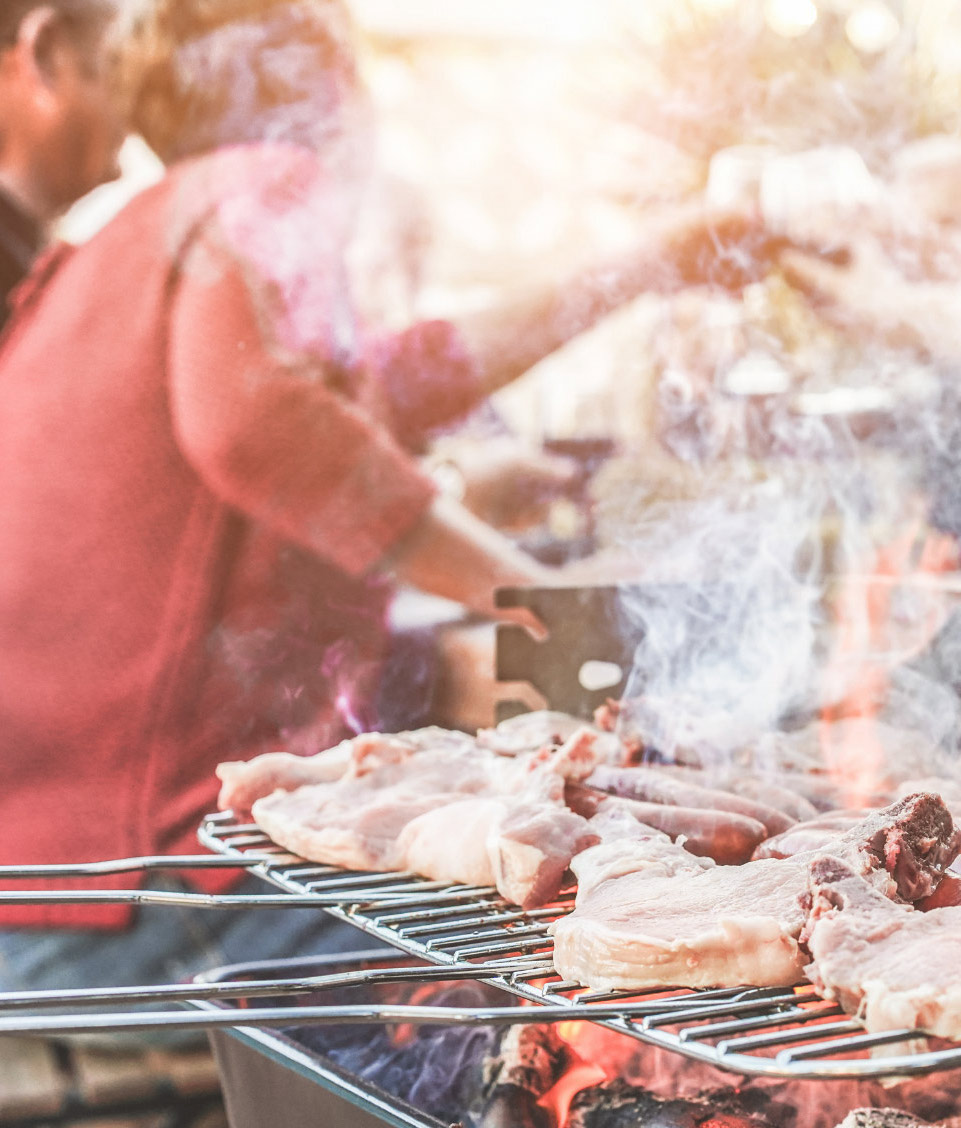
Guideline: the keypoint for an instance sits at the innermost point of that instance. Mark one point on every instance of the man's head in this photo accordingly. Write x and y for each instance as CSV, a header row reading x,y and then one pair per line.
x,y
197,74
59,127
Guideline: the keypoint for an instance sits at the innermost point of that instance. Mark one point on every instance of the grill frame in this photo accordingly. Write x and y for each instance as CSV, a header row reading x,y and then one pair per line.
x,y
432,922
266,1072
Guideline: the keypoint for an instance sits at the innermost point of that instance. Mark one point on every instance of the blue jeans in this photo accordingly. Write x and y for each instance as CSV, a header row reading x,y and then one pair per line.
x,y
168,944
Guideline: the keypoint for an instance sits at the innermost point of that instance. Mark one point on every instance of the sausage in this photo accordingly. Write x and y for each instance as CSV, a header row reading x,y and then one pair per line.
x,y
652,786
781,798
808,792
725,836
791,802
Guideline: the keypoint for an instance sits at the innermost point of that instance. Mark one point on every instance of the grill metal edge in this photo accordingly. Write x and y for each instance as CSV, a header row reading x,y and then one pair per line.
x,y
768,1032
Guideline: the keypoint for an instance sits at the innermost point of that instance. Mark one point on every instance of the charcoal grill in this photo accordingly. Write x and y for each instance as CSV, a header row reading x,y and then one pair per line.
x,y
775,1032
264,1072
471,933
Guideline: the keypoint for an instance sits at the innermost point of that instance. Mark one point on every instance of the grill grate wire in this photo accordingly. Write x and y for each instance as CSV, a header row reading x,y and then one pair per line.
x,y
775,1032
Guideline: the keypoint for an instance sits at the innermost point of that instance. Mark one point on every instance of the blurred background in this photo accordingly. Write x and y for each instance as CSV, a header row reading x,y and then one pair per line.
x,y
519,138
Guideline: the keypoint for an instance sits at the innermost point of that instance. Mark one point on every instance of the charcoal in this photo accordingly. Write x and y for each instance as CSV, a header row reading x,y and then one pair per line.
x,y
620,1105
529,1058
529,1061
880,1118
513,1107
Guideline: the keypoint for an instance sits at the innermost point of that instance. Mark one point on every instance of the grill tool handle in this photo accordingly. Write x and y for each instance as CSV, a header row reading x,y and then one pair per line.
x,y
259,988
198,991
116,1022
383,897
133,865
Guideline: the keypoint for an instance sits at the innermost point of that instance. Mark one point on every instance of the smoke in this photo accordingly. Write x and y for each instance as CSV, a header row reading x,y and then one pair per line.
x,y
772,603
728,647
286,79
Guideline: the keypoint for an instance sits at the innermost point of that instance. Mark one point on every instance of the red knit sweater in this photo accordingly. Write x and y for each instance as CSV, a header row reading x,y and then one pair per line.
x,y
200,473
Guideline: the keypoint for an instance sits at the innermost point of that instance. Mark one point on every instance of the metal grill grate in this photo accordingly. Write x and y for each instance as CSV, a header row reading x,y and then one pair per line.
x,y
775,1032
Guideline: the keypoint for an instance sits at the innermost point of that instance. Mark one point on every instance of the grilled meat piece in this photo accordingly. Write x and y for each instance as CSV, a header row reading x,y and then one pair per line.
x,y
244,782
522,848
649,914
814,835
452,813
673,924
530,732
891,965
947,893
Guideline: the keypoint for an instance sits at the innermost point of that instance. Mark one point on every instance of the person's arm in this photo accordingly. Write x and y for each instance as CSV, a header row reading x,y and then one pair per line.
x,y
281,446
684,245
871,297
438,370
452,553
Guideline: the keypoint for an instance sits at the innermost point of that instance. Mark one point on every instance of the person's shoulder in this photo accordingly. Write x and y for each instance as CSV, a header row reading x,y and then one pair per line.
x,y
248,170
243,191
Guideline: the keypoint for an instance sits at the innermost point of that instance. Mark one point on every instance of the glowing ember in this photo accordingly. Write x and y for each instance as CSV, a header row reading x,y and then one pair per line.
x,y
585,1075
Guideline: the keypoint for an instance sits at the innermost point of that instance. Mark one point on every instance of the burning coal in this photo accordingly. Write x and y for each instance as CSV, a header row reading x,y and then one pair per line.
x,y
578,1075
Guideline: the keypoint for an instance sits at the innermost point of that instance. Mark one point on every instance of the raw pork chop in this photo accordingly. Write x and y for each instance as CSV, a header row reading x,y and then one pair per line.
x,y
889,964
522,848
246,781
453,813
530,732
651,915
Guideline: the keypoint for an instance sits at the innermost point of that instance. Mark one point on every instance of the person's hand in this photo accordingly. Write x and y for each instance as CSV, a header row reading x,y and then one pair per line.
x,y
857,295
717,246
507,483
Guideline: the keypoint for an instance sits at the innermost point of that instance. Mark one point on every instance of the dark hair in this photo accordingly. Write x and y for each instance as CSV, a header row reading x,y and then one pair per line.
x,y
195,74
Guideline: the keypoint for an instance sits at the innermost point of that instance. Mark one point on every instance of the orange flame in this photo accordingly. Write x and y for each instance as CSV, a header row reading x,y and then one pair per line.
x,y
867,647
405,1032
558,1100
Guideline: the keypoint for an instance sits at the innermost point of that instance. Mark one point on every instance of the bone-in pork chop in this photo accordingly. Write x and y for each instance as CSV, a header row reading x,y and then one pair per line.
x,y
452,813
891,965
649,917
245,781
524,848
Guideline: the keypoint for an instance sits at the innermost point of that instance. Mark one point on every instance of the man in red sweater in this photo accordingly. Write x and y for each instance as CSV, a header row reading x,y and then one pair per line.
x,y
208,481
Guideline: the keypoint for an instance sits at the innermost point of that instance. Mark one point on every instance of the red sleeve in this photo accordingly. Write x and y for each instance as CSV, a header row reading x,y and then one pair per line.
x,y
427,379
272,438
